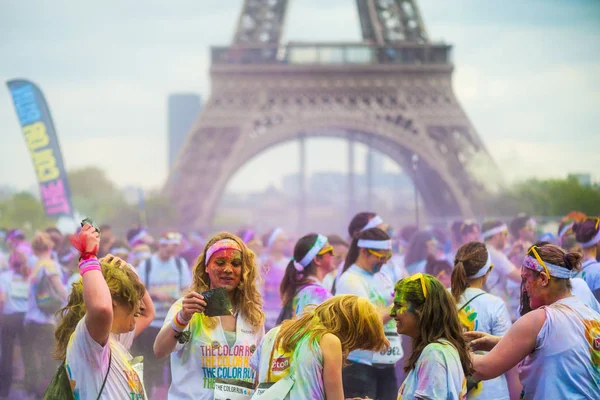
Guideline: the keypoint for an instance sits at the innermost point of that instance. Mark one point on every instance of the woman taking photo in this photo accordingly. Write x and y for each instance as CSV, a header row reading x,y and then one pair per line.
x,y
108,307
204,349
302,282
311,350
371,373
556,344
480,311
425,312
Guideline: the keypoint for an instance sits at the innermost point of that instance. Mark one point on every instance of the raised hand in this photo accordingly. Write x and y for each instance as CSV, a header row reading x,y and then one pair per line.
x,y
192,303
87,240
481,341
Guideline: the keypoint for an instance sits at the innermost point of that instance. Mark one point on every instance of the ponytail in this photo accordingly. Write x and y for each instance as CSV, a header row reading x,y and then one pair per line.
x,y
352,254
293,279
459,282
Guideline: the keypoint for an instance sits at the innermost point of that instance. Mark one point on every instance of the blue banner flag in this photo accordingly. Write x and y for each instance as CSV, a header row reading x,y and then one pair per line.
x,y
42,143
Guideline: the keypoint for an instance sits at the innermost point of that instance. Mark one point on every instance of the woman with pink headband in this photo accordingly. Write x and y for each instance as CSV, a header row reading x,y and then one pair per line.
x,y
557,345
211,355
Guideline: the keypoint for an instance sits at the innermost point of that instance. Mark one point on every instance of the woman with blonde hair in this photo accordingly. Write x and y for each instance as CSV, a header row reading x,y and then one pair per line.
x,y
209,352
46,296
425,312
303,358
108,307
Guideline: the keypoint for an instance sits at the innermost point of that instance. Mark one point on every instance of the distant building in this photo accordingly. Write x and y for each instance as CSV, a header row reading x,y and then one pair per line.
x,y
583,179
183,108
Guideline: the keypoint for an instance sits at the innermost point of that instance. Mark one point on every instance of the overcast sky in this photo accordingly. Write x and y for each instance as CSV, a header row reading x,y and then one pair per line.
x,y
527,74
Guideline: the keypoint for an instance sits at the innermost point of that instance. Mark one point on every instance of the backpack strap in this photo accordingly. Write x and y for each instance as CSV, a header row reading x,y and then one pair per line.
x,y
148,269
105,376
468,302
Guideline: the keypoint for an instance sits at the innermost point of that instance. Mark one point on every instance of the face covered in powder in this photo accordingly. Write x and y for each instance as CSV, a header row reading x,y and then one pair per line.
x,y
404,314
225,269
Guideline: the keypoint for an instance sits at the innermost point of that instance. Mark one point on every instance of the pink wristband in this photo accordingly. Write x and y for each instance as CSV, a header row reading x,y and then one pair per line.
x,y
89,265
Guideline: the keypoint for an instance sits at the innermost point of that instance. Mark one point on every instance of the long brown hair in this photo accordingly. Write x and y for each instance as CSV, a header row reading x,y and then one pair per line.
x,y
470,258
124,288
246,296
437,318
354,320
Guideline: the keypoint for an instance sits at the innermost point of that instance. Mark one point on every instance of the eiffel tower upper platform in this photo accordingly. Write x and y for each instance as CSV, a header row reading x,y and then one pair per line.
x,y
392,91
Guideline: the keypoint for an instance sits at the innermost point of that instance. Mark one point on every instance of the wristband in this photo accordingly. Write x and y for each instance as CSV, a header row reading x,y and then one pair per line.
x,y
87,256
179,324
89,265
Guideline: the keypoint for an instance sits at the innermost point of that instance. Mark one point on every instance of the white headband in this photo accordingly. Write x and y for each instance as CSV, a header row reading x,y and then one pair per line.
x,y
499,229
564,230
312,253
272,238
373,222
375,244
592,242
169,241
141,234
484,270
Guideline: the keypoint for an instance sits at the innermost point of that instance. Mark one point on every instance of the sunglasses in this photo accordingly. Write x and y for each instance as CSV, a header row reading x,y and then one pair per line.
x,y
327,249
420,277
382,257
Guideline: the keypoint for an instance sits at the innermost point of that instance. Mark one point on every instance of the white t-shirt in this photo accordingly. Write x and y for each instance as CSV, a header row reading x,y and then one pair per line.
x,y
313,294
438,375
582,291
87,363
196,364
307,363
486,313
564,363
16,289
166,278
375,287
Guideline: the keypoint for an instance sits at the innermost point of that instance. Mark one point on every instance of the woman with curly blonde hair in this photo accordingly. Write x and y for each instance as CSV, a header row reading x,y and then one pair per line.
x,y
107,308
213,351
303,358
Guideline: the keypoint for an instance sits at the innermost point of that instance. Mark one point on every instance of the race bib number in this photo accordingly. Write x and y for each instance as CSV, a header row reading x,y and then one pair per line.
x,y
274,391
231,389
392,354
19,290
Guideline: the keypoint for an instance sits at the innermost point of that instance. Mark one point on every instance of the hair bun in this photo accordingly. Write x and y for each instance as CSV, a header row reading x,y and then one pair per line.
x,y
572,260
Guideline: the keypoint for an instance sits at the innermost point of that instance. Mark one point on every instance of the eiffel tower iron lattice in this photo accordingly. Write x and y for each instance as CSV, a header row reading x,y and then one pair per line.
x,y
392,91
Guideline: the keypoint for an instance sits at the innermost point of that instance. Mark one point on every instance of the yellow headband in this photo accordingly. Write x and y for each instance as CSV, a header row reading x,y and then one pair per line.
x,y
421,277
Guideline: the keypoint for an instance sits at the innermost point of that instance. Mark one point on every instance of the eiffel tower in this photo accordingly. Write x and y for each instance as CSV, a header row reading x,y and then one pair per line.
x,y
391,91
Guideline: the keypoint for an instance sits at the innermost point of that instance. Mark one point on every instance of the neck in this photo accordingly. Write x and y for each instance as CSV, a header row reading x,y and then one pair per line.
x,y
162,257
45,255
590,253
554,297
360,263
320,274
476,283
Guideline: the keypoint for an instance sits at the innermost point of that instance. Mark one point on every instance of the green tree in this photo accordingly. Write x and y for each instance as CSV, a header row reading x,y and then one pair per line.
x,y
23,211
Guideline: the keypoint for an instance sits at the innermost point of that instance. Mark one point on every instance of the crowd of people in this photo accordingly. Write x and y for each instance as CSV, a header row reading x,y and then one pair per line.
x,y
495,310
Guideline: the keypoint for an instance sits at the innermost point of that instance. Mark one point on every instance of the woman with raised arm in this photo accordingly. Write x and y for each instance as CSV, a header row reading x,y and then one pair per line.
x,y
212,353
302,282
303,358
107,308
481,311
425,312
556,344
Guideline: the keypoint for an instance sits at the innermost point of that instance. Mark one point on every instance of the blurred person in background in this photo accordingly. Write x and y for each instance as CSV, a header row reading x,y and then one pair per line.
x,y
193,247
302,282
340,249
440,269
273,263
587,234
252,240
371,373
14,289
463,232
119,248
140,243
522,229
57,238
106,240
46,295
422,245
166,277
495,237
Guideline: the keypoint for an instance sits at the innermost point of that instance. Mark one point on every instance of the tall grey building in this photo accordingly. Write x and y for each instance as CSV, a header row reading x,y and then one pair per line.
x,y
183,109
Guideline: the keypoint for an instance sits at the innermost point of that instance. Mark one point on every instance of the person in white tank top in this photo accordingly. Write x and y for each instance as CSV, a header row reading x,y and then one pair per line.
x,y
305,356
557,345
482,312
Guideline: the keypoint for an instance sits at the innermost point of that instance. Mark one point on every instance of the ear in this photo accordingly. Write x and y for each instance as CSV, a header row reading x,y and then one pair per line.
x,y
114,303
318,260
545,279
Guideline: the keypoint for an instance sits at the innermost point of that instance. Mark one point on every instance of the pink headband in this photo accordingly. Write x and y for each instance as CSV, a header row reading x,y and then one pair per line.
x,y
222,244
